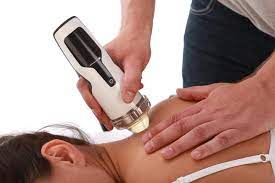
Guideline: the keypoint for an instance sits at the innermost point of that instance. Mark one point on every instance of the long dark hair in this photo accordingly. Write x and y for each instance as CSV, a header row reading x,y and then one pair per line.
x,y
20,155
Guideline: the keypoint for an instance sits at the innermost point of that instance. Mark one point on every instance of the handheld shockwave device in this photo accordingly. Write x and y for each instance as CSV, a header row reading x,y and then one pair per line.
x,y
90,60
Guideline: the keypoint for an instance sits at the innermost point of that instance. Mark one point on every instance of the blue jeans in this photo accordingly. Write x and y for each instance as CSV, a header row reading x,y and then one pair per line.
x,y
221,45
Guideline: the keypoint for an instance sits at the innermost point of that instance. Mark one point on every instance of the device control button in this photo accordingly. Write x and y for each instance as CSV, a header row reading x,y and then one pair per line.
x,y
112,82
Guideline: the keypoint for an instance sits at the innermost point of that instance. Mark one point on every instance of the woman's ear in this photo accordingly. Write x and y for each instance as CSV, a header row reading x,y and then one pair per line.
x,y
58,151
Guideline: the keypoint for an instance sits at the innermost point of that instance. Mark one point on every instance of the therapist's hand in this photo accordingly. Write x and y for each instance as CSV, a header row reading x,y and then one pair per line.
x,y
131,52
225,114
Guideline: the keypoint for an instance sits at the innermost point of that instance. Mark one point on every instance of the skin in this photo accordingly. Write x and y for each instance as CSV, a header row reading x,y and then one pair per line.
x,y
126,161
225,115
224,110
130,50
72,164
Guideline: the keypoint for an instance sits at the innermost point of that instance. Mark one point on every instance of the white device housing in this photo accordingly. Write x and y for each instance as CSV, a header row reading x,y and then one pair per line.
x,y
108,97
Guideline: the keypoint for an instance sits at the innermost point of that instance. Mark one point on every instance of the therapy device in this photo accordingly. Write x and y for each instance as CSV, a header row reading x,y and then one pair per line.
x,y
91,61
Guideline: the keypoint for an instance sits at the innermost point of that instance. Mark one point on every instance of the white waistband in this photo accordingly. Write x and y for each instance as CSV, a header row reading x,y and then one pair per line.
x,y
261,158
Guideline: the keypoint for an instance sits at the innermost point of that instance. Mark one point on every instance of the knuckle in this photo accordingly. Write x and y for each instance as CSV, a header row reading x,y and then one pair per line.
x,y
177,149
156,142
174,118
229,116
110,48
206,150
130,81
180,126
200,132
145,57
152,132
155,130
223,140
93,106
100,118
79,84
211,110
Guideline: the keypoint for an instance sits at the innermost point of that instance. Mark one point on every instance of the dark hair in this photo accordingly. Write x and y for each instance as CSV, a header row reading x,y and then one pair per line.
x,y
20,155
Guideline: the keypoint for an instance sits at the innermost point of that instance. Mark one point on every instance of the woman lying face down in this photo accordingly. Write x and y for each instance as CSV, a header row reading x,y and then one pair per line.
x,y
45,158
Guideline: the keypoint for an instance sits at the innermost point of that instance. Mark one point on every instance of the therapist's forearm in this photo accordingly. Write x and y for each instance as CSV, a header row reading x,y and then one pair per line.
x,y
137,17
266,75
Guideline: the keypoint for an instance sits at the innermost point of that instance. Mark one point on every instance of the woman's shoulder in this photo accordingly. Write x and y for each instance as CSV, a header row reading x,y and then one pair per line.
x,y
148,167
167,108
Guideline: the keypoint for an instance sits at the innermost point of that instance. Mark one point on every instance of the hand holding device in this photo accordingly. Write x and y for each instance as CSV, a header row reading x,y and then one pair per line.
x,y
93,63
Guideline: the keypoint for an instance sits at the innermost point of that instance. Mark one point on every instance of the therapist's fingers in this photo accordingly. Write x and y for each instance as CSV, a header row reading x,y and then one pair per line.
x,y
197,93
84,88
131,81
173,132
175,119
222,141
196,136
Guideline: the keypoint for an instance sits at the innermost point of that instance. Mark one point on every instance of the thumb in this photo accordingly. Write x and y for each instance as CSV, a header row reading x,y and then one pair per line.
x,y
197,93
131,81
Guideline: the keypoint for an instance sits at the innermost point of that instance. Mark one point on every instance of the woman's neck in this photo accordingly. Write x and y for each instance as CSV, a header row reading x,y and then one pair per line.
x,y
128,153
130,163
100,155
124,154
114,158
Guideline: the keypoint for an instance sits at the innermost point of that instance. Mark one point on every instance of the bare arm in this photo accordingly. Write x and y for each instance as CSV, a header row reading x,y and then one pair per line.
x,y
227,114
137,17
130,50
266,76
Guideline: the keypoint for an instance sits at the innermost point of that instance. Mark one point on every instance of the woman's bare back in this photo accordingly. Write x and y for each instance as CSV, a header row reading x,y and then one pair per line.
x,y
135,166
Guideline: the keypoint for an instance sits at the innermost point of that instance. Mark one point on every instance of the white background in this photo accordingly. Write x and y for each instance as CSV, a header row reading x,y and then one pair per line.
x,y
38,86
